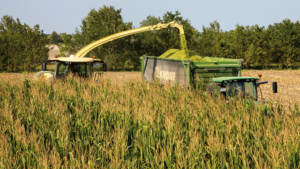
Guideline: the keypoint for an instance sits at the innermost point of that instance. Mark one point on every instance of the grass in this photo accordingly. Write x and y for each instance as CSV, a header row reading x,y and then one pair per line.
x,y
132,124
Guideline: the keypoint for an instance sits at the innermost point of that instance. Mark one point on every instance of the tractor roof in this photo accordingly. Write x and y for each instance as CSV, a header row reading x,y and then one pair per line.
x,y
221,79
74,59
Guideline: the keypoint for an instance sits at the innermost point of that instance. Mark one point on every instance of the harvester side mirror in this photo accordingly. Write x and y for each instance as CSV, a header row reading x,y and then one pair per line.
x,y
274,87
44,66
104,67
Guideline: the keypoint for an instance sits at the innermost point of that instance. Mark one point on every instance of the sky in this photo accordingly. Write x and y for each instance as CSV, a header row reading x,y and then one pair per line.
x,y
65,15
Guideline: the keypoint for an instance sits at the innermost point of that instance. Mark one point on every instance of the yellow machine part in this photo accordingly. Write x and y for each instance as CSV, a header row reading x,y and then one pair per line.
x,y
68,59
83,51
47,75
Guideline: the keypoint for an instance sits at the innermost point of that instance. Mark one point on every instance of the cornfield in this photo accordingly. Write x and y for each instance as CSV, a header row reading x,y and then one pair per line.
x,y
134,124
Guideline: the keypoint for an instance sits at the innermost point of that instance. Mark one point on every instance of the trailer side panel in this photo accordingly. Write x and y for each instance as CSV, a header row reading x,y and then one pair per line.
x,y
166,71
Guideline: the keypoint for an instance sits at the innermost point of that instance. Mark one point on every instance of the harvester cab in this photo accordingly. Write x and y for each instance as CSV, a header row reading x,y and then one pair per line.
x,y
81,67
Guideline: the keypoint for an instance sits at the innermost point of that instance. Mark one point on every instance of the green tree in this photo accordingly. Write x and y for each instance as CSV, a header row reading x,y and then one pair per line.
x,y
98,24
22,47
286,42
55,38
279,43
156,43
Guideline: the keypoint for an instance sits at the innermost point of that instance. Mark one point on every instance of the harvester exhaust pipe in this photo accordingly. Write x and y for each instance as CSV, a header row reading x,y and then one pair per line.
x,y
44,66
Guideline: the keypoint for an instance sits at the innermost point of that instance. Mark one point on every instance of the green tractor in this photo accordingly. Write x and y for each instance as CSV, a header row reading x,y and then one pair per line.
x,y
245,87
241,87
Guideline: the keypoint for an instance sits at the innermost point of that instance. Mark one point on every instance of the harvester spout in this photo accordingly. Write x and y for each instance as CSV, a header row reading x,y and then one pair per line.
x,y
82,52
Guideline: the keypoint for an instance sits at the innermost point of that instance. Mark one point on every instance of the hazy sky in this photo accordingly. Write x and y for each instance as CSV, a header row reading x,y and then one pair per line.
x,y
66,15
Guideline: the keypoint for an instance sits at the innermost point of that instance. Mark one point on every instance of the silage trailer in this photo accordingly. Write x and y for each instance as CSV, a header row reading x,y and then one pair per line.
x,y
217,74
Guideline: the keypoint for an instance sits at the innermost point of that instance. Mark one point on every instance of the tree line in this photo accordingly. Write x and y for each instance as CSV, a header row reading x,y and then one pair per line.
x,y
277,44
23,47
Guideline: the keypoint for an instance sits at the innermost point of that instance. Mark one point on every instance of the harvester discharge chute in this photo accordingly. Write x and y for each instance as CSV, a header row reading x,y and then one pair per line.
x,y
83,51
83,66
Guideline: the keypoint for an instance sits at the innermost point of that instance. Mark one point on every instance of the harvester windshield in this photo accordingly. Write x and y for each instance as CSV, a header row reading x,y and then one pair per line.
x,y
79,69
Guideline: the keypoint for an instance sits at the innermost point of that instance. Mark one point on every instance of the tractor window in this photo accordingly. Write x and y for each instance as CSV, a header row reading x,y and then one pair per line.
x,y
250,90
214,88
241,89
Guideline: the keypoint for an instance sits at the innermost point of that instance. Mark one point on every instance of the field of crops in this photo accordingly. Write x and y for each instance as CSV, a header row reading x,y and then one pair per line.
x,y
123,122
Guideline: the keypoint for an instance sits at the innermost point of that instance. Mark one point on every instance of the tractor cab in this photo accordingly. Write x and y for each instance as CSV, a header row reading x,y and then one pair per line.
x,y
244,87
81,67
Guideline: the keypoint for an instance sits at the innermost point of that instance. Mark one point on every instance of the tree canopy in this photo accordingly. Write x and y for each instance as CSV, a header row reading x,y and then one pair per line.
x,y
98,24
21,47
125,52
55,38
279,43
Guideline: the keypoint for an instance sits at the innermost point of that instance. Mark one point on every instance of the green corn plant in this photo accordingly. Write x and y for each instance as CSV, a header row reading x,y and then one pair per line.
x,y
82,124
